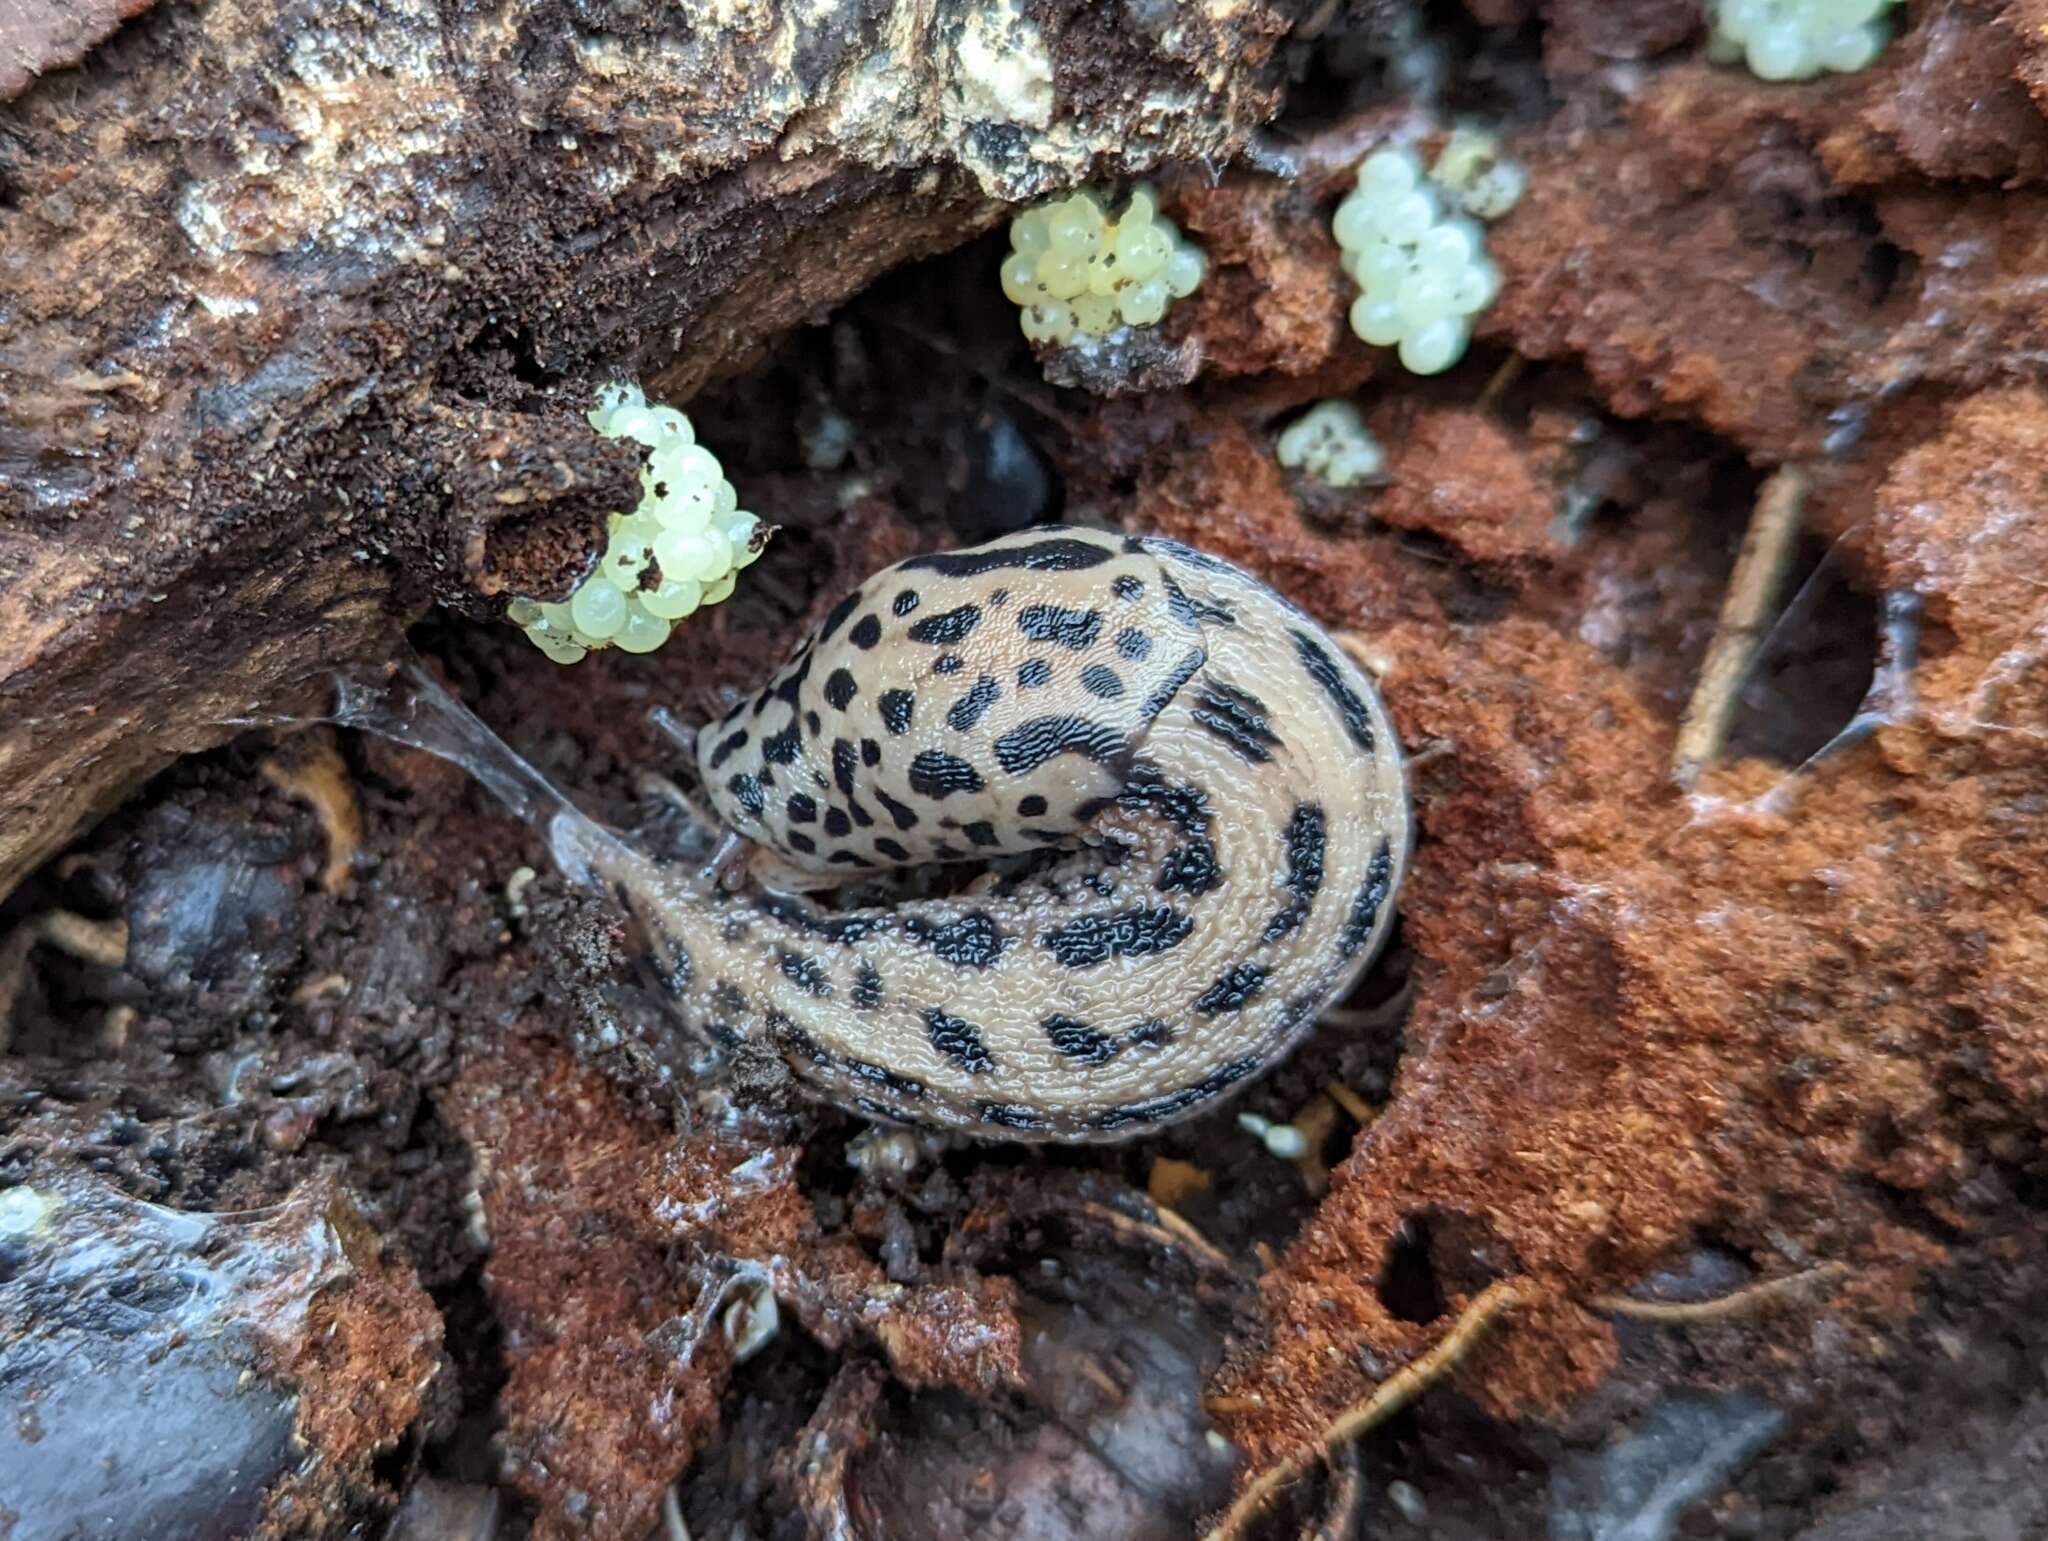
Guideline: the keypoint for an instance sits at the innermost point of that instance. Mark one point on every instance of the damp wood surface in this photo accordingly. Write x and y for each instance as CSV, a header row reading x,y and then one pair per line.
x,y
1768,1056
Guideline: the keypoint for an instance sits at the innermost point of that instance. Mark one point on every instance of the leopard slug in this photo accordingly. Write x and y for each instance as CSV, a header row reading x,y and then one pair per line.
x,y
1190,804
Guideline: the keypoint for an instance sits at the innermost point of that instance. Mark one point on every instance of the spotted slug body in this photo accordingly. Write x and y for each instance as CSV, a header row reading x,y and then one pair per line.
x,y
1211,789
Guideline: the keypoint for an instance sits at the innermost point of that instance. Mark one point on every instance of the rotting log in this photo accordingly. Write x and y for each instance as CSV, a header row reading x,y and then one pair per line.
x,y
300,299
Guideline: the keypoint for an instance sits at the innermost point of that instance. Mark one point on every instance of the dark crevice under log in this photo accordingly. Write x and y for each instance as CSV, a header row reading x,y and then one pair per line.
x,y
299,302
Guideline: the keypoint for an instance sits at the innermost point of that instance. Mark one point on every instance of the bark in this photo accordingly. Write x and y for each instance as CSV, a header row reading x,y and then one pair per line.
x,y
300,302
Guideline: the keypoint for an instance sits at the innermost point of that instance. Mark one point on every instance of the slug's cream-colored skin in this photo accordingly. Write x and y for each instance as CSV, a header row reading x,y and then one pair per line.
x,y
1195,801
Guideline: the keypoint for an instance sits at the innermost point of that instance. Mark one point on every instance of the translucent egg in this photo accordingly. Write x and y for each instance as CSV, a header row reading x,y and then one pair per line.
x,y
1421,299
1447,249
1028,233
1357,219
1095,314
1408,218
1064,274
559,651
740,527
1143,304
694,465
642,633
1185,271
696,554
1779,52
598,609
671,599
1852,49
685,510
721,590
1142,251
1075,227
671,427
724,499
634,422
1047,321
1380,267
1143,207
1387,174
522,612
1844,14
557,617
1376,320
1477,287
1020,278
1436,347
1105,277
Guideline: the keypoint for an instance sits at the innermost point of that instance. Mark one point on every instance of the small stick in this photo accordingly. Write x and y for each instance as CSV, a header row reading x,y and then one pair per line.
x,y
1391,1395
1752,590
1746,1299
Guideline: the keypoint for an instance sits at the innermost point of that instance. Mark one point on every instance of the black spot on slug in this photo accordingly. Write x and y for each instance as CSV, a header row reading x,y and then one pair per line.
x,y
1127,586
1133,644
808,974
1306,838
944,630
946,663
1231,990
1237,719
870,753
1092,939
867,631
797,840
1190,869
844,930
1158,1108
1365,909
812,725
959,1041
966,712
906,601
881,1075
1060,555
1170,686
1100,680
781,748
982,833
1078,1041
1062,627
972,941
1031,807
936,774
848,859
1012,1115
1322,668
867,987
905,818
730,746
862,819
1032,673
892,849
897,707
802,808
746,792
1147,791
791,685
842,765
1030,744
837,824
836,617
840,689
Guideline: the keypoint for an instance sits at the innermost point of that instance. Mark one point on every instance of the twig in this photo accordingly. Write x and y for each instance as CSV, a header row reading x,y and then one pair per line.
x,y
1392,1394
1749,1298
1752,590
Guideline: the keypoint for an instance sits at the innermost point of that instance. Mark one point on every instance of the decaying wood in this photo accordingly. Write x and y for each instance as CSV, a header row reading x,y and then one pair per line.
x,y
300,300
